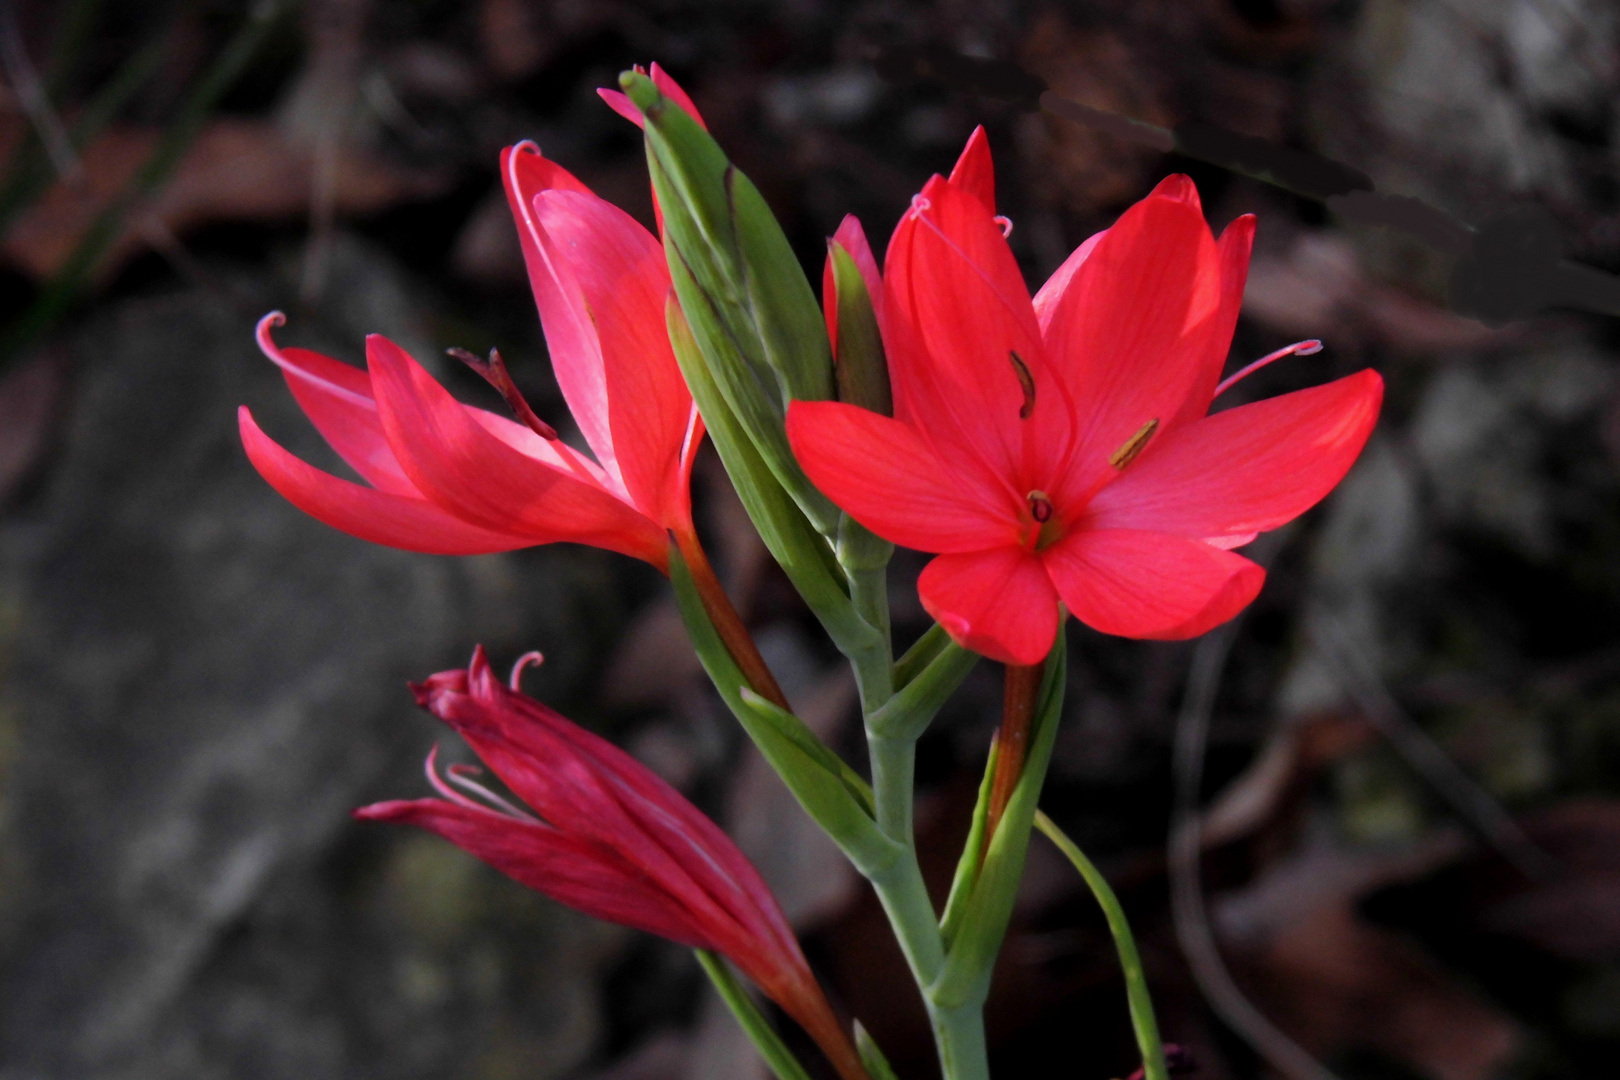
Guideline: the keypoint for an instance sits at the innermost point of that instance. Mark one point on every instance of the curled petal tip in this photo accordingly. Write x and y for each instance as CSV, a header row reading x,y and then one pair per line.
x,y
261,333
532,658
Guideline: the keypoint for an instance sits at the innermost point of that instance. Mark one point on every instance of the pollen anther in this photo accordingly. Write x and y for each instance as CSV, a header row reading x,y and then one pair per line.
x,y
1026,383
1134,445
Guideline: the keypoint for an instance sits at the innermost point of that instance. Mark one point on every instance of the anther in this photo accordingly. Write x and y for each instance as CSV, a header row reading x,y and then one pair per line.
x,y
1040,507
1005,222
1026,383
1134,445
919,203
494,372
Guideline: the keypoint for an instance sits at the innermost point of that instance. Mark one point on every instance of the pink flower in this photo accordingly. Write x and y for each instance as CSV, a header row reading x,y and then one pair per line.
x,y
1059,448
446,478
599,832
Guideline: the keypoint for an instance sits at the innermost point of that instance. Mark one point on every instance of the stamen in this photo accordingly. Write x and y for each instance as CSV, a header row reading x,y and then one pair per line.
x,y
919,203
1005,222
532,658
1040,507
459,776
445,789
1026,383
1134,445
494,372
1298,348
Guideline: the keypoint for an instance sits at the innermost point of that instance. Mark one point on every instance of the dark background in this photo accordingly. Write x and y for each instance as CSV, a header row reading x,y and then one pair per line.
x,y
197,682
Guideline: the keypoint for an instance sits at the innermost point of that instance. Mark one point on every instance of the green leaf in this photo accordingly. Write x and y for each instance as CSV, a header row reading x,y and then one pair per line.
x,y
967,866
803,554
876,1064
832,793
913,708
1130,961
751,309
758,1029
983,922
862,368
921,653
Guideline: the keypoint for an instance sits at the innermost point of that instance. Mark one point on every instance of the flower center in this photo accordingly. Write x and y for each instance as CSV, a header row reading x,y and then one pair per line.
x,y
1046,528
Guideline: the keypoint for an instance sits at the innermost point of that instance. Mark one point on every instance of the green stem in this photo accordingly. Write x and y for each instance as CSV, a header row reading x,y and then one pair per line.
x,y
1136,988
959,1034
753,1022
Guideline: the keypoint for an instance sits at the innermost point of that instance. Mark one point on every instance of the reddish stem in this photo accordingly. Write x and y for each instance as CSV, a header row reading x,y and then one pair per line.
x,y
726,619
1012,740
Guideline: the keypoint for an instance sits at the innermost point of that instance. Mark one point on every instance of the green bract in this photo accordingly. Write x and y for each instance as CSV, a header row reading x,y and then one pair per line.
x,y
751,310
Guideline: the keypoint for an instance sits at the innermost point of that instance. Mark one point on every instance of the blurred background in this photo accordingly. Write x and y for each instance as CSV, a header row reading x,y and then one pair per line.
x,y
1406,755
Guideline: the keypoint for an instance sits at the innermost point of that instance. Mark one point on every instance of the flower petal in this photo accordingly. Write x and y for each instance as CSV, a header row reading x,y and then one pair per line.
x,y
616,273
998,602
571,339
974,172
1232,255
1248,469
394,520
889,479
571,870
1130,330
589,788
958,314
1046,300
481,479
1149,585
853,239
620,103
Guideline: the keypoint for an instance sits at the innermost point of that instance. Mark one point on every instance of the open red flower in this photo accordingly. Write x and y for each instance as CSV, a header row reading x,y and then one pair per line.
x,y
601,833
1059,448
450,479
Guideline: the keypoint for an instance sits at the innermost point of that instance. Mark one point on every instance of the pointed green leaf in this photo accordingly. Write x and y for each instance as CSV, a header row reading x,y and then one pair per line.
x,y
989,906
1130,961
758,1029
967,866
803,554
832,793
876,1064
913,708
751,309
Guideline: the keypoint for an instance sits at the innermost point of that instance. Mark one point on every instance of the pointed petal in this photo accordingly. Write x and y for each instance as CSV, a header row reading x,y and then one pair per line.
x,y
853,239
1046,300
884,475
571,339
1130,331
616,273
478,478
589,788
1149,585
1248,469
1180,187
1232,255
393,520
958,312
974,173
572,871
998,602
621,104
337,399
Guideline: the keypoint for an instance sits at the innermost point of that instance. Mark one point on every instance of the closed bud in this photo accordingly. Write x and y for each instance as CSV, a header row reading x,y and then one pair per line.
x,y
859,361
751,310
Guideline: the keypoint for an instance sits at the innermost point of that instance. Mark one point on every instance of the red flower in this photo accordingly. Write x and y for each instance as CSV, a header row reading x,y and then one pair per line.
x,y
1060,448
606,836
450,479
